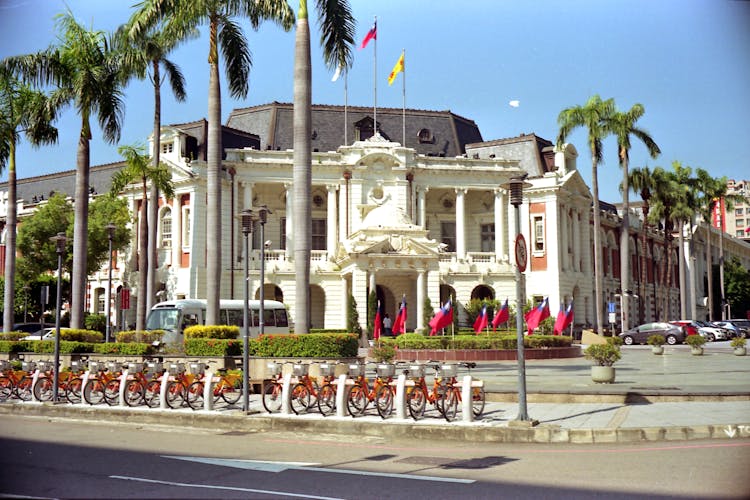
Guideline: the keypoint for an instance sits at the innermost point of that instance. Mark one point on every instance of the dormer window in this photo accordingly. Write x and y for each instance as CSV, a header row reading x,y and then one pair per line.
x,y
167,148
425,136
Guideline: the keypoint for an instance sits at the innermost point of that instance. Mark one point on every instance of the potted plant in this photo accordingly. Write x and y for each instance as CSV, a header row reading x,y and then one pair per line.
x,y
696,344
738,343
603,356
656,342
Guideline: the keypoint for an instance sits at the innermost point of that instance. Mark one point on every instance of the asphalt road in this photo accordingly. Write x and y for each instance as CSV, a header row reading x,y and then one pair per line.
x,y
50,458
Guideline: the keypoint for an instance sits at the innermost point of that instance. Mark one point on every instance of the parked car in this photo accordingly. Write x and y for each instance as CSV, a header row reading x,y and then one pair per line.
x,y
732,330
743,325
712,332
674,334
31,327
46,334
690,326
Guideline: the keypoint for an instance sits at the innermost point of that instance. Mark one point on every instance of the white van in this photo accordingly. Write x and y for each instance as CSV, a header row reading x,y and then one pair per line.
x,y
173,316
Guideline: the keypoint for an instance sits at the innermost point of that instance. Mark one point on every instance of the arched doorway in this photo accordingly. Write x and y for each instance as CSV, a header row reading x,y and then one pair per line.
x,y
483,292
270,292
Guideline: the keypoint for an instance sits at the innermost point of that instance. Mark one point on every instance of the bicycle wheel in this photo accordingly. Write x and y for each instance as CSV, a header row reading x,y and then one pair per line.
x,y
23,388
314,390
6,388
416,400
477,400
356,400
73,391
231,389
133,393
327,399
43,390
272,396
384,401
112,392
175,394
195,395
449,403
152,394
93,392
300,399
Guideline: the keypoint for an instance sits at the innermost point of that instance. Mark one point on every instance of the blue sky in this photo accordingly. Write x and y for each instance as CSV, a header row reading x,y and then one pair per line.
x,y
686,61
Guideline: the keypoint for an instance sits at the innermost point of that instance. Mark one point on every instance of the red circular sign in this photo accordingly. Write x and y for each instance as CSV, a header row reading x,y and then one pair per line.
x,y
522,255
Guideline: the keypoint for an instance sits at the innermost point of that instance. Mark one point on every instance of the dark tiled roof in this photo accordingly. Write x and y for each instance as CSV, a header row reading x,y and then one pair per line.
x,y
34,189
273,122
230,138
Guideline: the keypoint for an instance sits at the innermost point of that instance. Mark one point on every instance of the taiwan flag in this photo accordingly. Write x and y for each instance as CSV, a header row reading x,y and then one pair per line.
x,y
442,318
399,324
371,35
377,327
481,322
501,316
537,315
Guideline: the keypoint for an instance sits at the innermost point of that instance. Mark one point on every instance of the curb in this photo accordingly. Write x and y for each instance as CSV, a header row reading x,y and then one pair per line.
x,y
237,422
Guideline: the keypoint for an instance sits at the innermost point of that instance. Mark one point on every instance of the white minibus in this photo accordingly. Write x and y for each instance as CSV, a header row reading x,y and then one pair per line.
x,y
173,316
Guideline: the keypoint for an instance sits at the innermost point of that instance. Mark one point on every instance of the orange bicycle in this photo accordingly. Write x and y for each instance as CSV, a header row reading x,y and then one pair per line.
x,y
94,392
419,395
16,383
68,382
451,401
226,386
306,392
360,394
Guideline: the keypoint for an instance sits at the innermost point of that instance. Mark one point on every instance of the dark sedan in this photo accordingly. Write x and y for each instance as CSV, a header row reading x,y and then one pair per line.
x,y
638,335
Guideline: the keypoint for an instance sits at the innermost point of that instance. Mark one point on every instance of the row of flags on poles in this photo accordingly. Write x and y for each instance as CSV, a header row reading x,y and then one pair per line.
x,y
444,317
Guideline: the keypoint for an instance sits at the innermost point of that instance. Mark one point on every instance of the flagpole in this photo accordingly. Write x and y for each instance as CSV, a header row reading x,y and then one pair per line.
x,y
403,91
375,79
346,103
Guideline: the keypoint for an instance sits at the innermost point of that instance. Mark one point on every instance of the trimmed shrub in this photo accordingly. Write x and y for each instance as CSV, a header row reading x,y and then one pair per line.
x,y
492,341
143,336
11,336
306,346
212,347
14,345
66,347
124,348
212,332
81,336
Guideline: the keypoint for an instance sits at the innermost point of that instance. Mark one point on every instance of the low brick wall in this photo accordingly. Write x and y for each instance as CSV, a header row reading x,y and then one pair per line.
x,y
485,354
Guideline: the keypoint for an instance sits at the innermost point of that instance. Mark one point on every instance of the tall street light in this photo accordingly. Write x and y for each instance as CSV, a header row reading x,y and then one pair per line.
x,y
263,212
246,221
59,241
110,234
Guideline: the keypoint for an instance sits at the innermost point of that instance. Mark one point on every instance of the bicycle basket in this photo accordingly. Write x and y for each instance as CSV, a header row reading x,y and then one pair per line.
x,y
356,370
97,366
44,366
449,370
4,365
197,368
273,369
28,366
77,366
176,368
114,366
135,367
386,370
300,370
155,367
327,369
416,371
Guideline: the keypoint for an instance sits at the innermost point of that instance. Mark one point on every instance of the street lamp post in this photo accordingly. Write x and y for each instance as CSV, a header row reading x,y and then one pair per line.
x,y
59,241
263,212
246,220
111,234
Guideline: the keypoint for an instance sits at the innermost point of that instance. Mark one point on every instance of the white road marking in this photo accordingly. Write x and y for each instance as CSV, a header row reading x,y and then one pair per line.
x,y
271,466
217,487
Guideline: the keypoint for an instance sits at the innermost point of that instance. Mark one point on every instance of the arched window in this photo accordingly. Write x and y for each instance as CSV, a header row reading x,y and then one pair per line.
x,y
165,227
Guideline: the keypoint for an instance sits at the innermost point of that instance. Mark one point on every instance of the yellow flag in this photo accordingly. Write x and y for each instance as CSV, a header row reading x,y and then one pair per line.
x,y
398,68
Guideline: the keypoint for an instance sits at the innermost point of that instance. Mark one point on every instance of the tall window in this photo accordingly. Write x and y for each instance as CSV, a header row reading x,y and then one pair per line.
x,y
448,235
319,234
282,232
538,233
488,237
186,226
166,228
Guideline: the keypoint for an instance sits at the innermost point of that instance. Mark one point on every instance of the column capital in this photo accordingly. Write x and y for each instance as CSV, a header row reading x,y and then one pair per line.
x,y
332,188
461,190
499,191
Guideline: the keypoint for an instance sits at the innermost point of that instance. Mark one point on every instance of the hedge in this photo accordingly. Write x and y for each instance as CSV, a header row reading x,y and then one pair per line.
x,y
310,345
492,341
212,332
66,347
143,336
212,347
125,348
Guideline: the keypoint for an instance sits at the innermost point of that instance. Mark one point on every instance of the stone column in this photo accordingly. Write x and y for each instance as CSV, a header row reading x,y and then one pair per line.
x,y
421,280
501,230
460,224
344,300
331,231
359,291
247,202
289,222
422,202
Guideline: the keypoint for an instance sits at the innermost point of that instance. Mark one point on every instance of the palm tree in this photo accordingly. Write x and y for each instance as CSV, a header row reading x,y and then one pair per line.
x,y
640,180
23,111
623,125
337,38
684,212
149,50
225,34
594,115
138,167
85,73
661,208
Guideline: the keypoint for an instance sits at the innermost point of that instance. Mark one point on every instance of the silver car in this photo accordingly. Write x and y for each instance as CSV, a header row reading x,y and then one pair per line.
x,y
672,333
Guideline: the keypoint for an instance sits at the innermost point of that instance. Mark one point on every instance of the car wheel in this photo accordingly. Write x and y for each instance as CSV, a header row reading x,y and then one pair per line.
x,y
671,339
627,340
710,337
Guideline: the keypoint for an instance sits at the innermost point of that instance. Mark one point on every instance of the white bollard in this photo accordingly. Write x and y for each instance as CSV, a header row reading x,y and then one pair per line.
x,y
84,381
163,390
468,414
34,378
286,394
340,393
123,383
400,396
208,391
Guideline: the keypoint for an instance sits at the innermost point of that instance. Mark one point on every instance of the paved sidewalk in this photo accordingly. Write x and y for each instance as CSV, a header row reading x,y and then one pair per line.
x,y
675,396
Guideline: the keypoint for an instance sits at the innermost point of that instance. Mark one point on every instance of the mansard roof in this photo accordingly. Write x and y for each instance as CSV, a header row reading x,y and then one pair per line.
x,y
230,138
432,133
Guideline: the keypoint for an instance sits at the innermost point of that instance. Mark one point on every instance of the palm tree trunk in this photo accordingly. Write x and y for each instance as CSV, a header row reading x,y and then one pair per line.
x,y
644,260
80,228
710,274
10,243
302,173
598,285
140,316
153,216
681,266
667,286
625,244
213,222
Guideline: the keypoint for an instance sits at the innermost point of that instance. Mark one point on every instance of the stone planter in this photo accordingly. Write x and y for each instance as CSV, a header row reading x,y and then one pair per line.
x,y
696,350
657,349
740,351
603,374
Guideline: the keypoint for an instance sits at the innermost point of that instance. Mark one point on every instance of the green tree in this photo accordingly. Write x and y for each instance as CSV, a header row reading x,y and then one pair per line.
x,y
145,54
224,34
138,168
85,73
594,116
737,285
640,181
686,204
337,37
661,207
623,126
23,112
